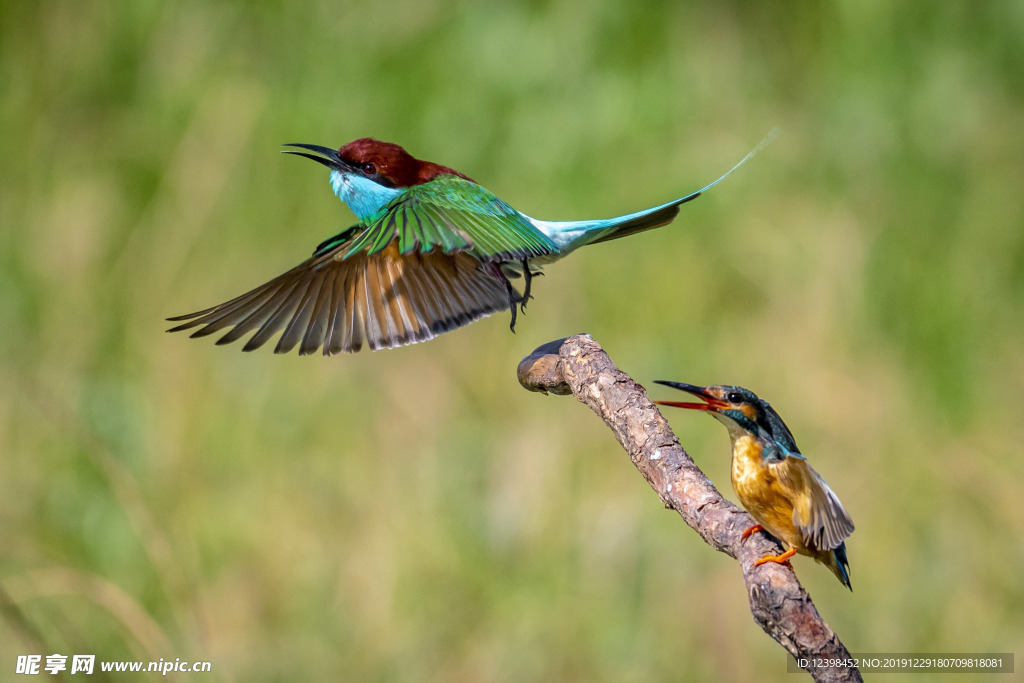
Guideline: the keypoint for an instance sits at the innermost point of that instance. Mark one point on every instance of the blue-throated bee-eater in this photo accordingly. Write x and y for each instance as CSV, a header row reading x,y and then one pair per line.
x,y
774,482
432,251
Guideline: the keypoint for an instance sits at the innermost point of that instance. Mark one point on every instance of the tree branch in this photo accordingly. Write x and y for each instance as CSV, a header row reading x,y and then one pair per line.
x,y
579,366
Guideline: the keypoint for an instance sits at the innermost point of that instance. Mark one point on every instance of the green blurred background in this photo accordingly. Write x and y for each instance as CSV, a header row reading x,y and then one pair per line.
x,y
414,515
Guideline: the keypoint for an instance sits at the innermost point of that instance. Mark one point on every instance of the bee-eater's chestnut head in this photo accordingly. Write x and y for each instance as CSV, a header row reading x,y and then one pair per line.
x,y
736,408
366,174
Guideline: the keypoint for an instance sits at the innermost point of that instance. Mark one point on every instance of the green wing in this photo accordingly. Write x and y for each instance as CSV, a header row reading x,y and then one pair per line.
x,y
454,215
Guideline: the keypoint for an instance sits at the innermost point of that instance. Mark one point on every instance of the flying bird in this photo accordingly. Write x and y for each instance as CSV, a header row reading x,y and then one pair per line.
x,y
773,481
432,251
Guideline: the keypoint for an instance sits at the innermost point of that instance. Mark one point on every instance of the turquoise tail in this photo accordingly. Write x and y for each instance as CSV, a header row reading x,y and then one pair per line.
x,y
570,235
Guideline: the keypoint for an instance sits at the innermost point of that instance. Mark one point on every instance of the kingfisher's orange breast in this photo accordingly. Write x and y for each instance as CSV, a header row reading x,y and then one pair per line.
x,y
766,491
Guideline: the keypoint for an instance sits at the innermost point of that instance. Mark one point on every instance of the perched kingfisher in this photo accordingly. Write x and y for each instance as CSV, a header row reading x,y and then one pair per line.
x,y
774,481
432,251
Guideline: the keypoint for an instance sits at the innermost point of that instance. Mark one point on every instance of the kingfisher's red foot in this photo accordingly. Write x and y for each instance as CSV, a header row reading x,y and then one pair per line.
x,y
778,559
756,527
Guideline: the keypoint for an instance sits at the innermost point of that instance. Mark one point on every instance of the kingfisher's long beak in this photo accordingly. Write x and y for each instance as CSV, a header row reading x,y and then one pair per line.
x,y
329,157
712,405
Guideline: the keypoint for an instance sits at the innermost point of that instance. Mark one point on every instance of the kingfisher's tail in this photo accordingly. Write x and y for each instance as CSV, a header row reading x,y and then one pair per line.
x,y
570,235
840,566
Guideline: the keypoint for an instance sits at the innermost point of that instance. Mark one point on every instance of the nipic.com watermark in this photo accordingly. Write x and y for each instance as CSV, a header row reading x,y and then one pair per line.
x,y
54,664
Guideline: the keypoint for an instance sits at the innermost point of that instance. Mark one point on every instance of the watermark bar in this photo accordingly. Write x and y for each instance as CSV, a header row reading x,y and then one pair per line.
x,y
911,663
52,664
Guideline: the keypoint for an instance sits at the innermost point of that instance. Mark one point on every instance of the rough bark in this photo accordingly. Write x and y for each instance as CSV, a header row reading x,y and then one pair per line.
x,y
780,605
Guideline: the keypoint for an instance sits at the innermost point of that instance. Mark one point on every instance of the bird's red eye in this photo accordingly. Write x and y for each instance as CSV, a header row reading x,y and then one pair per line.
x,y
368,168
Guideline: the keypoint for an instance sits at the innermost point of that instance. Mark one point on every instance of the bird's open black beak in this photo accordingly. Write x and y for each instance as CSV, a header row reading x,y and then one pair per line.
x,y
712,404
329,157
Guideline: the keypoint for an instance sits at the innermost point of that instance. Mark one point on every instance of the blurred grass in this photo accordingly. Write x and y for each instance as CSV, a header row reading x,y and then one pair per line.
x,y
413,514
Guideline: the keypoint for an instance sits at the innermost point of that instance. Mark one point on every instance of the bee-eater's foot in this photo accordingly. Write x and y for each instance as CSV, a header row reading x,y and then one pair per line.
x,y
778,559
751,530
528,280
513,296
522,303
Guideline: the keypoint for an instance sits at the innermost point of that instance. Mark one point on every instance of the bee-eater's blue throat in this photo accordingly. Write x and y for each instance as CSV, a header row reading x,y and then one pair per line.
x,y
432,251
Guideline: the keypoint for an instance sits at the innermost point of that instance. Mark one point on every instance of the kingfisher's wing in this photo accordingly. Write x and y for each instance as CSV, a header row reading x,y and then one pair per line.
x,y
817,512
340,299
452,214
